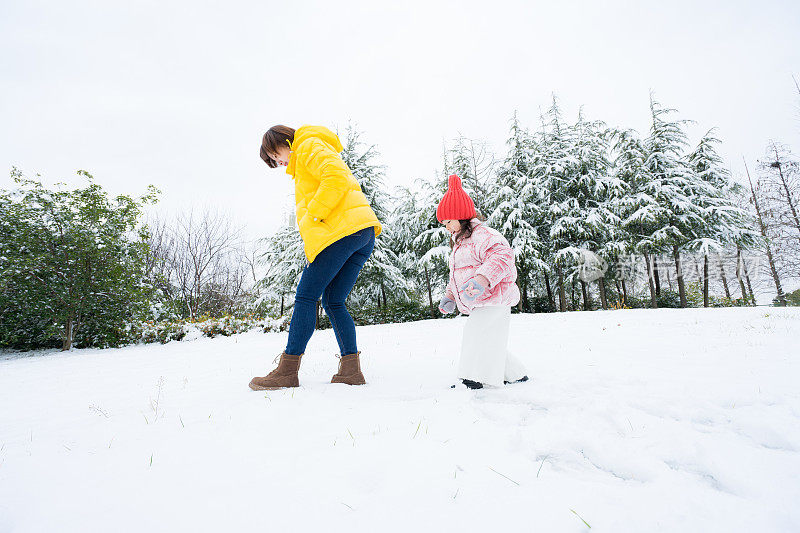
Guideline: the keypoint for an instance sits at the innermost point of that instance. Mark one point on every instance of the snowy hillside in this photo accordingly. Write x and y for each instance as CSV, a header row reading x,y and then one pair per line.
x,y
635,420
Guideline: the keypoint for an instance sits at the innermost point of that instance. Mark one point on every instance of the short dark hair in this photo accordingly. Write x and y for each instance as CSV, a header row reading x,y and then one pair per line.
x,y
275,137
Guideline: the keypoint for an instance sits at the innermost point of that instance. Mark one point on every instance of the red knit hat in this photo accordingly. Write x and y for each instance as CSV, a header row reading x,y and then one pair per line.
x,y
456,204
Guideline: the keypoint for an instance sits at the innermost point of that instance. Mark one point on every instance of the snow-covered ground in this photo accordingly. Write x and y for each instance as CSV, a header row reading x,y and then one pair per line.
x,y
635,420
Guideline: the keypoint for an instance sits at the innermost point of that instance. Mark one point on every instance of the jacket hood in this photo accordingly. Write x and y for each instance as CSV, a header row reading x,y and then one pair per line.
x,y
320,132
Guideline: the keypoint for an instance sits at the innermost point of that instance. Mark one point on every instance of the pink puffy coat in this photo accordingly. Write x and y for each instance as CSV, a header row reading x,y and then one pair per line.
x,y
488,253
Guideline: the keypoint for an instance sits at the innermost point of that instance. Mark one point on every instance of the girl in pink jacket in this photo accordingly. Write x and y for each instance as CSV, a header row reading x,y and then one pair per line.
x,y
482,285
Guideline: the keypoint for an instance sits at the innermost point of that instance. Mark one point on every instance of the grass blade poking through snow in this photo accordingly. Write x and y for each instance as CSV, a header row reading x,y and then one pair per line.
x,y
541,465
417,431
505,476
582,520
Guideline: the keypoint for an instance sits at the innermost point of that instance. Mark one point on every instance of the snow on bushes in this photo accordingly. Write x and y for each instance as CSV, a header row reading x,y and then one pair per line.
x,y
165,331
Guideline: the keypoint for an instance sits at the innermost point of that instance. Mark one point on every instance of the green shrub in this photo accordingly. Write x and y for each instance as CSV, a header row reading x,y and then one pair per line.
x,y
792,299
72,265
632,302
669,299
541,304
395,312
163,331
734,302
225,326
272,325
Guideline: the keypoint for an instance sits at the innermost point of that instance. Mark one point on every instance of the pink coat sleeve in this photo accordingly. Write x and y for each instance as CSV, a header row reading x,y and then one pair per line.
x,y
497,260
450,290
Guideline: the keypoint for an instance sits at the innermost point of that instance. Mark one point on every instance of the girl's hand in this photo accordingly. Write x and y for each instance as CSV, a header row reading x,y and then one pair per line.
x,y
447,305
473,288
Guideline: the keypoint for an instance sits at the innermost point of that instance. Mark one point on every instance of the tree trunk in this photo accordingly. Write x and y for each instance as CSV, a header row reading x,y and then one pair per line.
x,y
774,270
316,323
549,291
602,288
430,295
739,267
743,265
655,275
383,292
653,301
68,331
624,292
282,306
781,297
724,278
562,296
705,280
587,304
573,305
679,274
749,287
525,305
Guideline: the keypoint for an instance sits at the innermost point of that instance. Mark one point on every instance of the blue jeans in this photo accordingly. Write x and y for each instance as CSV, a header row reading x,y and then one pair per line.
x,y
332,276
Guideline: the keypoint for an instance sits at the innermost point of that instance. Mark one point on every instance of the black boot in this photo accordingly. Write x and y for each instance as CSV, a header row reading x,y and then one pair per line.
x,y
520,380
472,384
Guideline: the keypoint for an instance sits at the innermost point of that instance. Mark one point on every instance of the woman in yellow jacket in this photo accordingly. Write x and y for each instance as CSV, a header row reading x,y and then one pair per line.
x,y
338,228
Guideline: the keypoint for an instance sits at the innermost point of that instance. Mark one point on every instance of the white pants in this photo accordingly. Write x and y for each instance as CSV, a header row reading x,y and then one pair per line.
x,y
484,349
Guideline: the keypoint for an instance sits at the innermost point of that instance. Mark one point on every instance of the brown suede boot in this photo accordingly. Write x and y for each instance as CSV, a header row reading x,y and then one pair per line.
x,y
349,370
282,377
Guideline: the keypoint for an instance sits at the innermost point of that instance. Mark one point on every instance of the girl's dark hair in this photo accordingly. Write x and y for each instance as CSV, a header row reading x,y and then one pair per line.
x,y
275,137
466,229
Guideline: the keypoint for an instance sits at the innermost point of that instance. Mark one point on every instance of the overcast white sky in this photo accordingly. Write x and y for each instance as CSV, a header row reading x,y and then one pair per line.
x,y
179,93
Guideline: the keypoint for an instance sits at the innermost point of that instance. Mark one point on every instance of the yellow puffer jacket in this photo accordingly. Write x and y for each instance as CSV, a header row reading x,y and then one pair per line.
x,y
329,202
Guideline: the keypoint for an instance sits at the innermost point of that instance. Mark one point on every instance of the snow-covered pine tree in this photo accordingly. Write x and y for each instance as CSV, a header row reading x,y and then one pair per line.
x,y
382,274
517,213
629,179
283,259
571,167
410,219
591,185
669,218
431,245
746,244
723,222
551,160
